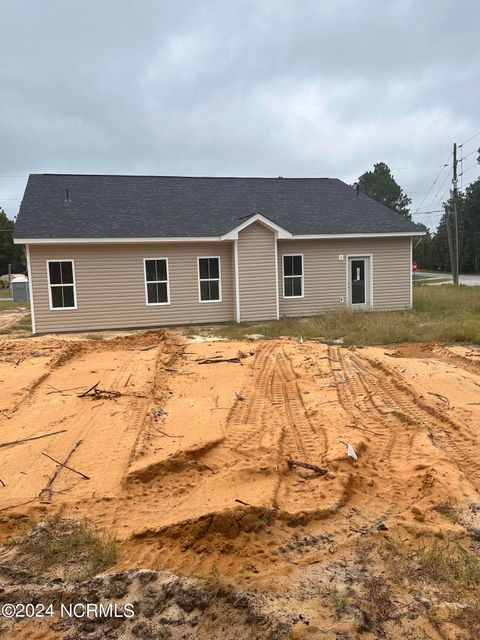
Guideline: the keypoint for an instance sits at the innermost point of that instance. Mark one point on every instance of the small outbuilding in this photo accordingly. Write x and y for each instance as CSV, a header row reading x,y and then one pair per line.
x,y
19,289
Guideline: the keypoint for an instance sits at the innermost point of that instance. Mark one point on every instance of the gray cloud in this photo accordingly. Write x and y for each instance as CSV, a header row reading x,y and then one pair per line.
x,y
272,87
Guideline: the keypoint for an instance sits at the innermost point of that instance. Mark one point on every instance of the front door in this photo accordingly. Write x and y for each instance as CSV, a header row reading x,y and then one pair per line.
x,y
359,283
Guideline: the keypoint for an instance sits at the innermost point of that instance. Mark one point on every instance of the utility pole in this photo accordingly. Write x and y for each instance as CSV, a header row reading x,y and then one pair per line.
x,y
455,258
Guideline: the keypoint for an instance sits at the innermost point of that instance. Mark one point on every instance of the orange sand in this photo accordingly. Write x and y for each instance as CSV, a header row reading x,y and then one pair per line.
x,y
188,467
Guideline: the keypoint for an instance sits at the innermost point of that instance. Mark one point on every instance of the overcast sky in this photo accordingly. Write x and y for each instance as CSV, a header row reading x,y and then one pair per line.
x,y
238,87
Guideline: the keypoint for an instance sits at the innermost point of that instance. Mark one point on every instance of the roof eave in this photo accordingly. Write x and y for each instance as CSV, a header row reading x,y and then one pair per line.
x,y
227,237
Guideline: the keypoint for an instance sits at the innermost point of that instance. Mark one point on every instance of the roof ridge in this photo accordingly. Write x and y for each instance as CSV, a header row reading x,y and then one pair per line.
x,y
139,175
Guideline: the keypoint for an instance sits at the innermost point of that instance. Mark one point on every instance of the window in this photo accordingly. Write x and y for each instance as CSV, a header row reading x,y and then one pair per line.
x,y
157,289
209,282
61,284
293,276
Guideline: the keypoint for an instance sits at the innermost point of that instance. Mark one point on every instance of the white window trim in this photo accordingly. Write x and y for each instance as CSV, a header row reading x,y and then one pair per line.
x,y
359,256
74,284
219,279
291,255
155,304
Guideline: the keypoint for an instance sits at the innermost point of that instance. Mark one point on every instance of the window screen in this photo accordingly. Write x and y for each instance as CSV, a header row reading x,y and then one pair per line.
x,y
62,284
156,279
209,279
293,276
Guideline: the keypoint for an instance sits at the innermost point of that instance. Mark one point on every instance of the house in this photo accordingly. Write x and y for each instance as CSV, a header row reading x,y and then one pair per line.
x,y
107,251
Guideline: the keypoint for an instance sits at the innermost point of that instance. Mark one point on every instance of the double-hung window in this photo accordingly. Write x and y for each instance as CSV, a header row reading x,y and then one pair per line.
x,y
293,276
61,284
209,280
157,289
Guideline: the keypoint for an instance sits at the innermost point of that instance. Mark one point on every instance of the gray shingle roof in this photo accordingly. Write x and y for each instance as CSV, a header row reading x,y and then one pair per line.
x,y
110,206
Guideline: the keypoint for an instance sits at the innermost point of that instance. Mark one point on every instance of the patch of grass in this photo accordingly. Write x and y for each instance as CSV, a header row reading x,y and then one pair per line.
x,y
23,325
95,336
449,510
60,544
338,601
9,305
443,314
450,563
4,293
265,520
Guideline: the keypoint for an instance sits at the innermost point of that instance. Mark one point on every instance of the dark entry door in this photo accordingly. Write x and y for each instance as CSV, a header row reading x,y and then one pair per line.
x,y
358,282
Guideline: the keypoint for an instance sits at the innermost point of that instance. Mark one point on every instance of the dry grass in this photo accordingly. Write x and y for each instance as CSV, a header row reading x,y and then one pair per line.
x,y
23,326
451,564
73,548
468,618
443,314
378,606
449,510
338,601
8,305
442,561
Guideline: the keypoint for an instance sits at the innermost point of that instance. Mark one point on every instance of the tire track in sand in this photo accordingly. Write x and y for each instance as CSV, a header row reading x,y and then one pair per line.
x,y
267,425
380,398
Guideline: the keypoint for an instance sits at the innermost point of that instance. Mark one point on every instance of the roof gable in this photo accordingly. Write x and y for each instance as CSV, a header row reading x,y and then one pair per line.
x,y
233,234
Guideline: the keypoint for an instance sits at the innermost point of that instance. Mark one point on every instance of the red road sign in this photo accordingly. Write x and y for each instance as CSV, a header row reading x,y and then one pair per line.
x,y
414,266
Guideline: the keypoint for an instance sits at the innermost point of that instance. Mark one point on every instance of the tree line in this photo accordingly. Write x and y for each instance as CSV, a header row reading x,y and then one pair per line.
x,y
10,253
432,251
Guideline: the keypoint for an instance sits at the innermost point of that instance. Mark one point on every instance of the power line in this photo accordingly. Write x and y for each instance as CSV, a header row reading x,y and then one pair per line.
x,y
435,204
470,167
469,154
474,136
434,182
441,187
428,213
444,193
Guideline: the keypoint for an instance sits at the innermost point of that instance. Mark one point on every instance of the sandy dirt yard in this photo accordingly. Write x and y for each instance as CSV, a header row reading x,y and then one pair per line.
x,y
11,316
185,454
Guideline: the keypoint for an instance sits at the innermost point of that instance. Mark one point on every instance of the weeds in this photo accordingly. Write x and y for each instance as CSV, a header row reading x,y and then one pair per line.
x,y
378,602
444,314
94,336
60,544
9,305
449,510
24,324
264,521
450,563
338,601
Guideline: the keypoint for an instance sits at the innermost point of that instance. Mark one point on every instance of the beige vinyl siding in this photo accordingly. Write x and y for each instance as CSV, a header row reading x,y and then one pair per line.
x,y
110,286
256,268
325,275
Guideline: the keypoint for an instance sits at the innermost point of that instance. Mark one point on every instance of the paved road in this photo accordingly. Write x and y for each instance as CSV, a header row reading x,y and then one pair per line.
x,y
470,279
